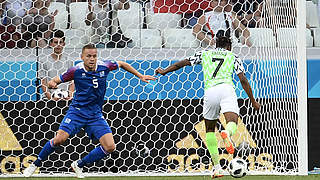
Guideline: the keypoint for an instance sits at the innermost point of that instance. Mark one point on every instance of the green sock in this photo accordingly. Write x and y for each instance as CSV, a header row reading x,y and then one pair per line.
x,y
231,128
212,145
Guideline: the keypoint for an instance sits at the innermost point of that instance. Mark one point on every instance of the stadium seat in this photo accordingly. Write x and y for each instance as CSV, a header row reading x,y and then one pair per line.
x,y
145,38
75,38
61,19
179,38
262,37
287,37
61,7
78,13
309,38
131,18
163,20
312,14
316,36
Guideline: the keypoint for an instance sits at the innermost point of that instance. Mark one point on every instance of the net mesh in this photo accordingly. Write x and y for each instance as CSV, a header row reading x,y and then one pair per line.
x,y
157,127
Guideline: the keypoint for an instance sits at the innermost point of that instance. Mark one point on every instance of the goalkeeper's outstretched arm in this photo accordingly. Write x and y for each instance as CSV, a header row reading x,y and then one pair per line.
x,y
173,67
129,68
246,86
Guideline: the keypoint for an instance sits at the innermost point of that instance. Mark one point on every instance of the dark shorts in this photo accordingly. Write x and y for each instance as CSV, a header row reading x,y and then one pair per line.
x,y
95,128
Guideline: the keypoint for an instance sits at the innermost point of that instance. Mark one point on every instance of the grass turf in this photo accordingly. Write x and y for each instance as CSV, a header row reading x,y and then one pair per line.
x,y
310,177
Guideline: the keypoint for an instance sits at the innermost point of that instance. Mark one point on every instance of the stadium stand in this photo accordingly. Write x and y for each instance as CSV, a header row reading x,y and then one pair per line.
x,y
316,37
78,12
61,19
75,38
312,14
168,24
163,20
131,18
177,38
262,37
285,36
145,38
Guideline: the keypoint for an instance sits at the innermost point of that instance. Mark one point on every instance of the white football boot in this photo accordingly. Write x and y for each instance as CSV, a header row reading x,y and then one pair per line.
x,y
218,172
77,170
29,170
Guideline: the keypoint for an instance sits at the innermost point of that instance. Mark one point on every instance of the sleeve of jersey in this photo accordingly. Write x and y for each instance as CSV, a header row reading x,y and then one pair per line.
x,y
111,65
238,66
196,59
69,75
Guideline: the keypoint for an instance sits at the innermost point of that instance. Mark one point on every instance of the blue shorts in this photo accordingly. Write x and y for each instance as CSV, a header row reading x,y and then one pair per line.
x,y
95,128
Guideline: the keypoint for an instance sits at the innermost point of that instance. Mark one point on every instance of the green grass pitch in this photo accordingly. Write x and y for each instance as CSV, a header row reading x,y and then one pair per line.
x,y
310,177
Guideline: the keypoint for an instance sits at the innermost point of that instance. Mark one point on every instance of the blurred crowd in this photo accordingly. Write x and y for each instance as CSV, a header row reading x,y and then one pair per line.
x,y
29,24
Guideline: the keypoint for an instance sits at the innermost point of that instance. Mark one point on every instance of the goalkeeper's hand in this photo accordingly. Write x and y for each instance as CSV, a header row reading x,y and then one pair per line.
x,y
52,85
146,78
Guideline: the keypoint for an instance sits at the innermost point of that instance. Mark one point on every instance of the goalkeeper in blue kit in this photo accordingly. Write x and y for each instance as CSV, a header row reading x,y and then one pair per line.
x,y
85,111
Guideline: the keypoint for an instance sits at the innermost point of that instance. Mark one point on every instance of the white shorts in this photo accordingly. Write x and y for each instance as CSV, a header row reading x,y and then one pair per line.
x,y
220,97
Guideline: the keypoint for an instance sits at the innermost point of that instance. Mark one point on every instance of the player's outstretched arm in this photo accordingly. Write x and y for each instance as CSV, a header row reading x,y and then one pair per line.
x,y
173,67
129,68
246,86
53,83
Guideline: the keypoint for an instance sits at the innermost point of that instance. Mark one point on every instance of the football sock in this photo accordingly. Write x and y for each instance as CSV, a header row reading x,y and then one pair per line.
x,y
95,155
231,128
212,145
45,152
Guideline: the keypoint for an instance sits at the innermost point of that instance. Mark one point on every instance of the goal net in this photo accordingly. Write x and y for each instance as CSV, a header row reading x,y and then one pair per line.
x,y
158,127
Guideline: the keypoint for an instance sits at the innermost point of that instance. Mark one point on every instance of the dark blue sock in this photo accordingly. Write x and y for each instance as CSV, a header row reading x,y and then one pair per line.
x,y
45,152
95,155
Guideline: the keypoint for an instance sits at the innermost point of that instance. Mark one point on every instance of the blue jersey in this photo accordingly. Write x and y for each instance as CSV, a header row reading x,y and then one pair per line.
x,y
90,88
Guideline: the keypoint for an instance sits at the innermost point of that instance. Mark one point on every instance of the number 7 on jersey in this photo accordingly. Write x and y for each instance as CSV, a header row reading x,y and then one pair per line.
x,y
218,67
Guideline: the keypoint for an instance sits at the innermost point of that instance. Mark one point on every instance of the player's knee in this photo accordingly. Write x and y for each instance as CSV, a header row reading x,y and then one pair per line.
x,y
58,140
235,119
210,125
231,117
110,148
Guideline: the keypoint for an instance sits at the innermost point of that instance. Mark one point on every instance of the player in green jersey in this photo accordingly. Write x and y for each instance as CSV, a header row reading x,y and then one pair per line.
x,y
218,65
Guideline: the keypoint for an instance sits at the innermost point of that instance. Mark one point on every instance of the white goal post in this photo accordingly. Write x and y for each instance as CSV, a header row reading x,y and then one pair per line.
x,y
302,89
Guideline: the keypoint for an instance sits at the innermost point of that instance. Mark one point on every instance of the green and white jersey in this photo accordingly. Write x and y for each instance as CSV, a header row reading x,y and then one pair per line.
x,y
218,65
